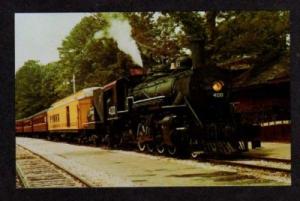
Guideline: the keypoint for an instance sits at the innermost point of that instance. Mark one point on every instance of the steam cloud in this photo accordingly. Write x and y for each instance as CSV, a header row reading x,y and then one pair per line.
x,y
120,30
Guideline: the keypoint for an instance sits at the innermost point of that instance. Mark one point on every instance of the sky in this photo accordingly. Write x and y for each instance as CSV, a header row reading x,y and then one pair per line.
x,y
38,35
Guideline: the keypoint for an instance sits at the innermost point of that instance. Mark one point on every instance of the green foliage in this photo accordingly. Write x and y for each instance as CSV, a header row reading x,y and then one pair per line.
x,y
251,34
80,52
91,60
37,87
28,96
50,84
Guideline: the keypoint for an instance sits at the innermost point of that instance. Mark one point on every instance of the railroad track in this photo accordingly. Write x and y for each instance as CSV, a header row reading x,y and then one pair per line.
x,y
273,165
35,171
278,160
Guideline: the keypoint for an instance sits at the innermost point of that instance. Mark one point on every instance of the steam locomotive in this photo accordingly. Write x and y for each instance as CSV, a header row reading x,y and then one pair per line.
x,y
173,111
182,110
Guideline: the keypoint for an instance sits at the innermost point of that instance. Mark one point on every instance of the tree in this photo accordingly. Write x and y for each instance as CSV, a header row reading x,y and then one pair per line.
x,y
157,35
28,83
260,35
50,84
233,35
90,59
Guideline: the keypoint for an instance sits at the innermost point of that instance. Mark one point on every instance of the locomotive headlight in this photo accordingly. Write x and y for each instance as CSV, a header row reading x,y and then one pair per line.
x,y
217,86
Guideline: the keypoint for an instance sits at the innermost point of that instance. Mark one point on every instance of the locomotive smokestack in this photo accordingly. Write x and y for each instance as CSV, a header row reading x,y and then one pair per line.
x,y
198,54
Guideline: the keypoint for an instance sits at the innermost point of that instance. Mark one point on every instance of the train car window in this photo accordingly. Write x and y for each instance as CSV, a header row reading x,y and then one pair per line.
x,y
54,118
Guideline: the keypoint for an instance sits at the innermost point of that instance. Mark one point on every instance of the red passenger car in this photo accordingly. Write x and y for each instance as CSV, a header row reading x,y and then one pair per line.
x,y
35,124
19,126
39,122
27,125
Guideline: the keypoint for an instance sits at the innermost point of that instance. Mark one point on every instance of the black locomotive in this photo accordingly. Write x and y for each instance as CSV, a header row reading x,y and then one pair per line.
x,y
182,110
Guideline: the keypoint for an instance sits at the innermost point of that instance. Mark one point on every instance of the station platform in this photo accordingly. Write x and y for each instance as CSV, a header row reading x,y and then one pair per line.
x,y
271,150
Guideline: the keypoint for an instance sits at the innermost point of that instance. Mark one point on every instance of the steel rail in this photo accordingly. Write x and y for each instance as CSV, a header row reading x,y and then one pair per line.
x,y
280,160
250,166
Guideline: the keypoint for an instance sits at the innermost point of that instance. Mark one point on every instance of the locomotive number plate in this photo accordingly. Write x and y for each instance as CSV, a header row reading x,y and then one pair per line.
x,y
218,95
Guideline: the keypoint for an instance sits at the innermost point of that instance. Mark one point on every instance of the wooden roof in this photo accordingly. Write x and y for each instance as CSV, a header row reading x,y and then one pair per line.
x,y
276,72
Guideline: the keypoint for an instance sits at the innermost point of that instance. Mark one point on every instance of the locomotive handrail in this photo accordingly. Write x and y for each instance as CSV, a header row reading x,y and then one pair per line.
x,y
193,112
91,122
112,118
148,99
173,106
122,111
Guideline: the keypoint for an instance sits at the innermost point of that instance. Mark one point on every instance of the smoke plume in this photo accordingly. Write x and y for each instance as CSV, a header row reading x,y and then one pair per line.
x,y
120,30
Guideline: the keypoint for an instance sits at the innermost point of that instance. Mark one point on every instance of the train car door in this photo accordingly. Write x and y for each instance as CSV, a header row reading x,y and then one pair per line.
x,y
68,116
